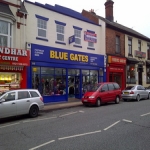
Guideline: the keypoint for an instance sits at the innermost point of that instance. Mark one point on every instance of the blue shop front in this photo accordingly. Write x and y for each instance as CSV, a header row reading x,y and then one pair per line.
x,y
64,75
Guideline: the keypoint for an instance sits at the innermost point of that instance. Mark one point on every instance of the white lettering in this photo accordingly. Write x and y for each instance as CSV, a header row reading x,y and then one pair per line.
x,y
13,51
7,51
24,53
19,52
1,50
10,58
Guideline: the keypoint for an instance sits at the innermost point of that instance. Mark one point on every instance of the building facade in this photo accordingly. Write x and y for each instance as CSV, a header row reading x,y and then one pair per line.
x,y
14,58
67,52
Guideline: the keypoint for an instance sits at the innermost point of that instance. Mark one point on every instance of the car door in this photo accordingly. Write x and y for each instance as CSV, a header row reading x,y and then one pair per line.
x,y
144,93
104,93
23,102
8,107
112,93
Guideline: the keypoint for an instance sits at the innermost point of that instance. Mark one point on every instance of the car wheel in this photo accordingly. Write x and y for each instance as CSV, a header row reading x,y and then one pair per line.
x,y
98,102
138,98
34,111
117,100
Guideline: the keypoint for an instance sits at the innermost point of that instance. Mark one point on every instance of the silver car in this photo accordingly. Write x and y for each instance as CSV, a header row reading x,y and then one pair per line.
x,y
19,102
136,92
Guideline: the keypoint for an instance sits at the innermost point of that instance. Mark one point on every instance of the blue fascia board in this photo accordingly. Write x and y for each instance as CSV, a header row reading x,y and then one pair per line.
x,y
41,17
55,9
90,31
61,23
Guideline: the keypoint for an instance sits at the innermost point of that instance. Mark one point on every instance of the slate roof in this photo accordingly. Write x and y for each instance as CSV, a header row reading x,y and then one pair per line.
x,y
63,10
4,8
23,9
124,29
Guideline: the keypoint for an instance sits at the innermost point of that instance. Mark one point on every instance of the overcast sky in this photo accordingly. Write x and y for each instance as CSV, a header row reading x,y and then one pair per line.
x,y
134,14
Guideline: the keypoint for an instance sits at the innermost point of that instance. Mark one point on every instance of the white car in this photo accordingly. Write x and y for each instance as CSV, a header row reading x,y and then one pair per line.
x,y
19,102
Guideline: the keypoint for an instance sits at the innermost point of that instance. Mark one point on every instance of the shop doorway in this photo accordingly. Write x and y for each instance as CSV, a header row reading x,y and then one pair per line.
x,y
140,78
116,77
73,87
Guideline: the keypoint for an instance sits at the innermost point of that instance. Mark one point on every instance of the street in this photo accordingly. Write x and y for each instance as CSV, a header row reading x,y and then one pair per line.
x,y
124,126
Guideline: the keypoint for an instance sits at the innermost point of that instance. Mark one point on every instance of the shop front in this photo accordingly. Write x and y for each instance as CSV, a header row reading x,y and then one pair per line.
x,y
63,75
116,70
13,68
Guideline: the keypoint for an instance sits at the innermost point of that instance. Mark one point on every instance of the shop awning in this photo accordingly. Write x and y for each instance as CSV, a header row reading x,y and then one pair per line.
x,y
132,60
15,68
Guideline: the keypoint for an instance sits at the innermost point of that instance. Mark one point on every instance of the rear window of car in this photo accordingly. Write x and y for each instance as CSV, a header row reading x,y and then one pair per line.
x,y
111,87
116,86
34,94
129,88
23,94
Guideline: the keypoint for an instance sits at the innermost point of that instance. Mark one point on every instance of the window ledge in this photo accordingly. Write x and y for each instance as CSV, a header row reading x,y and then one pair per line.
x,y
60,42
43,39
130,55
77,46
90,48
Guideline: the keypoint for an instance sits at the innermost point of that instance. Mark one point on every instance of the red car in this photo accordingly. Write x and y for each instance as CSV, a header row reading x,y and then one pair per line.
x,y
102,93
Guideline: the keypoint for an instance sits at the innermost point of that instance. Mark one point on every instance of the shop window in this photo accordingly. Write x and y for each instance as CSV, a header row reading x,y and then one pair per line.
x,y
35,77
117,44
131,74
9,81
5,34
148,74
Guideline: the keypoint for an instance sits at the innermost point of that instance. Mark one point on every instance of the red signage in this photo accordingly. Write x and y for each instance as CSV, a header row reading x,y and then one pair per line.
x,y
116,60
13,56
115,69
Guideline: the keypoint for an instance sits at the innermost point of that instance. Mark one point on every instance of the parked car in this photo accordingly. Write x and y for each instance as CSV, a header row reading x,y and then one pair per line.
x,y
136,92
19,102
102,93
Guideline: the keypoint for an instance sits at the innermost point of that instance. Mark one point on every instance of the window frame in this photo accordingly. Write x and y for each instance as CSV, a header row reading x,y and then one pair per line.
x,y
76,33
148,51
60,33
129,46
10,33
118,48
139,45
38,28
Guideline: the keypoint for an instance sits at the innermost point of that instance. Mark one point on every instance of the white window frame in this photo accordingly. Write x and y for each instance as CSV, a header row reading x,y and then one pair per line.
x,y
10,32
90,46
40,28
77,36
59,32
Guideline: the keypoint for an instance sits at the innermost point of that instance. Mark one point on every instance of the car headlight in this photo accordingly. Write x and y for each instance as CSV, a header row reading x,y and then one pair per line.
x,y
91,96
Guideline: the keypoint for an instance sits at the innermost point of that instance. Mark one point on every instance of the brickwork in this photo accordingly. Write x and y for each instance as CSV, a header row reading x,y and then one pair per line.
x,y
111,42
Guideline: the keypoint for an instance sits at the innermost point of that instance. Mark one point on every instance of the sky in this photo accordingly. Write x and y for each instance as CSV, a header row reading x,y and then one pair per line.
x,y
134,14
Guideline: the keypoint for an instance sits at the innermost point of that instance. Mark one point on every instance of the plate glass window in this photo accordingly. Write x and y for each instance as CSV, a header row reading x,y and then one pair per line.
x,y
42,27
77,34
60,32
5,34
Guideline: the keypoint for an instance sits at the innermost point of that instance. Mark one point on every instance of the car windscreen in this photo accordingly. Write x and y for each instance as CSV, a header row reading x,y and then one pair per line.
x,y
130,88
93,88
2,93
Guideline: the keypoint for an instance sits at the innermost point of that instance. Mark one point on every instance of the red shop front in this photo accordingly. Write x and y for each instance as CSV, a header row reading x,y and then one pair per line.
x,y
13,68
116,70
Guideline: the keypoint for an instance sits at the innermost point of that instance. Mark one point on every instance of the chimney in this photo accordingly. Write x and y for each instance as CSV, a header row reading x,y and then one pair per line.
x,y
109,10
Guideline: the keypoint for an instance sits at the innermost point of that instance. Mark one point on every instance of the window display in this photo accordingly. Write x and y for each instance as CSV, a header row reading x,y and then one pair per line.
x,y
131,74
9,81
148,74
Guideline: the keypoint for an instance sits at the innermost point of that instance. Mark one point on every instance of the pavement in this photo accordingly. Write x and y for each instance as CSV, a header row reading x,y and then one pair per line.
x,y
62,105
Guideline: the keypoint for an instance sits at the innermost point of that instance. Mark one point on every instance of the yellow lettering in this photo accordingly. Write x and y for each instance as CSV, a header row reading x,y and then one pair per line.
x,y
61,56
52,54
71,56
56,56
76,57
86,59
65,56
80,57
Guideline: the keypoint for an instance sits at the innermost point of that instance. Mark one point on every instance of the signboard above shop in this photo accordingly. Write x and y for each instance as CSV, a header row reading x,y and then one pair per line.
x,y
15,57
56,55
90,37
140,54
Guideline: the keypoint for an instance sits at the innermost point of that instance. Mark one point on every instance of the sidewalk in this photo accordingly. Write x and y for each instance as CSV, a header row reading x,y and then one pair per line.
x,y
62,105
